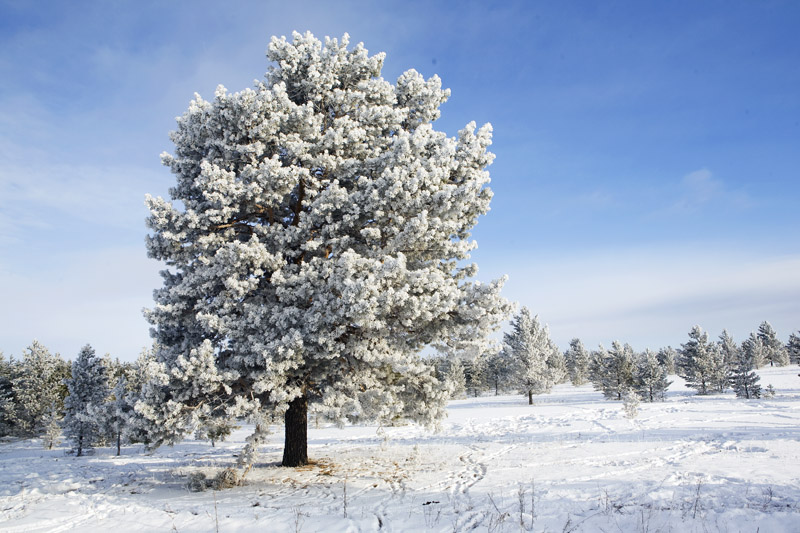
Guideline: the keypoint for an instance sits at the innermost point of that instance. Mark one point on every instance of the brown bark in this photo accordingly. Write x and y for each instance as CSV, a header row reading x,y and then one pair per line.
x,y
295,447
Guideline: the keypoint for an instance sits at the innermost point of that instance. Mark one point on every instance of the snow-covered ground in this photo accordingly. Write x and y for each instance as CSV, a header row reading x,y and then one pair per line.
x,y
571,462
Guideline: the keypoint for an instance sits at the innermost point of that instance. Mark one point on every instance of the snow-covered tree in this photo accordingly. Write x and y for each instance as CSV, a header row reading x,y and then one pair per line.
x,y
730,349
455,378
87,390
38,392
666,357
613,370
476,374
743,377
499,369
793,348
755,348
316,241
7,370
701,363
113,416
577,359
650,377
774,351
530,350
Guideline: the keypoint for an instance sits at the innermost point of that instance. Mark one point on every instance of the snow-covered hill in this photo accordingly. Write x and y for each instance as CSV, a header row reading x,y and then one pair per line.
x,y
571,462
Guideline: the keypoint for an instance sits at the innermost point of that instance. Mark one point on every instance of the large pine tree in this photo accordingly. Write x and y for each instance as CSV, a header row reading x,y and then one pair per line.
x,y
316,241
701,363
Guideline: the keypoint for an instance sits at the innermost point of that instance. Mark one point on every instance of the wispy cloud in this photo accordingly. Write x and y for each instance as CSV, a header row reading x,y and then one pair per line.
x,y
700,188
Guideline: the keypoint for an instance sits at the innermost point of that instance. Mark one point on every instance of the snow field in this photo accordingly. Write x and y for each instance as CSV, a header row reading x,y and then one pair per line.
x,y
571,462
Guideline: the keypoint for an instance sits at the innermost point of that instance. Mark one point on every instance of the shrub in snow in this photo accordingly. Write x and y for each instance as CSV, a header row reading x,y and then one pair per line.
x,y
533,355
317,238
87,389
769,391
630,403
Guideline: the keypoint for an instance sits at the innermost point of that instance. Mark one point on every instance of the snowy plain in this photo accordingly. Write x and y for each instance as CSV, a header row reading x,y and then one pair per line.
x,y
570,463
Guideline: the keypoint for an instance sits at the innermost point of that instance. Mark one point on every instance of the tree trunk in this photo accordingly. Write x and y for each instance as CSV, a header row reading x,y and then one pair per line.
x,y
295,446
530,397
119,442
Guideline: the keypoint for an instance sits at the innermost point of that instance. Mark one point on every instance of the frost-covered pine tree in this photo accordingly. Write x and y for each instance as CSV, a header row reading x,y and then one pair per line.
x,y
613,370
39,391
650,377
114,414
87,390
730,349
666,357
793,348
701,363
744,379
476,374
7,371
774,351
499,369
316,241
755,348
455,378
530,351
577,359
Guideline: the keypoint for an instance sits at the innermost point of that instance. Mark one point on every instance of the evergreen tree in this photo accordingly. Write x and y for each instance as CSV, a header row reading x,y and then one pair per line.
x,y
577,359
87,391
455,378
793,348
650,377
744,378
774,351
317,240
614,370
38,392
755,347
730,350
113,415
7,371
476,374
701,363
499,369
666,357
529,347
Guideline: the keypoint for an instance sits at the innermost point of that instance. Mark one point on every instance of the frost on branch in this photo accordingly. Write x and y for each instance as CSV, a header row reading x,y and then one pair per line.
x,y
316,239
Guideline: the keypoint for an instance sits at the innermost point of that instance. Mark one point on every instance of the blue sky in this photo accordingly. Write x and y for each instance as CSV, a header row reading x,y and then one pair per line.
x,y
648,153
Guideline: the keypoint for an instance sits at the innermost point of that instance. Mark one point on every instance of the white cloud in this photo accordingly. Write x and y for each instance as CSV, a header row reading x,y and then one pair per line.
x,y
699,189
652,296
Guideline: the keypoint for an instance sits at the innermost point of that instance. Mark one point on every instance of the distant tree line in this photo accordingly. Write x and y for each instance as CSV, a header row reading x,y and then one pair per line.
x,y
92,400
531,364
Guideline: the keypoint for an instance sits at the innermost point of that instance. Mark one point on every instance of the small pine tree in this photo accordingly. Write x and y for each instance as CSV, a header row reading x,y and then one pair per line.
x,y
455,378
650,377
498,370
666,358
528,345
744,379
793,348
630,403
476,374
614,370
88,389
755,347
774,351
730,350
38,391
113,415
577,358
701,362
